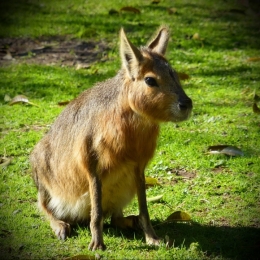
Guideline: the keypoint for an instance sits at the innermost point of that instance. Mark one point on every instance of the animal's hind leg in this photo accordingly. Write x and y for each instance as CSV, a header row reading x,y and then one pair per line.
x,y
60,228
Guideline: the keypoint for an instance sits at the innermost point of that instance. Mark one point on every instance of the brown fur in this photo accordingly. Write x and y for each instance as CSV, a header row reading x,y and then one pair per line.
x,y
91,163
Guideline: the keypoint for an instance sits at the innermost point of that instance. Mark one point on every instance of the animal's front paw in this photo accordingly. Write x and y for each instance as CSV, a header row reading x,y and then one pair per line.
x,y
95,245
61,229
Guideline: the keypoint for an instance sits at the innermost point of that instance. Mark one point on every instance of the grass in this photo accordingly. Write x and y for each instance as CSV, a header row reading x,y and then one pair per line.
x,y
222,195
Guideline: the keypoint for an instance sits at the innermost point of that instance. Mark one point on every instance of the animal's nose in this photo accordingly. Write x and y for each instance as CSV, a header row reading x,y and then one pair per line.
x,y
185,104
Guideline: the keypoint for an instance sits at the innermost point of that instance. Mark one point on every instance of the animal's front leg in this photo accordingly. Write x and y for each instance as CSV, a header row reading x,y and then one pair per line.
x,y
144,219
96,218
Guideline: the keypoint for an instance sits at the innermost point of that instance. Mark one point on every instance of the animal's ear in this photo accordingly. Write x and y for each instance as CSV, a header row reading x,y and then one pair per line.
x,y
160,41
130,55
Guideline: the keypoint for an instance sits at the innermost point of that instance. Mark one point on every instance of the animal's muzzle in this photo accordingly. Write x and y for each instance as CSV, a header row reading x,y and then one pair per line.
x,y
185,104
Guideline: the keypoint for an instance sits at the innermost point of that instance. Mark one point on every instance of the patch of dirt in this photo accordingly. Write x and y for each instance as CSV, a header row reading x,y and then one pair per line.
x,y
52,51
183,173
176,175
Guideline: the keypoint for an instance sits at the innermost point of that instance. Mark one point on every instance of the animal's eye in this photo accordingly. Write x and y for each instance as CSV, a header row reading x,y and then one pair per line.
x,y
151,82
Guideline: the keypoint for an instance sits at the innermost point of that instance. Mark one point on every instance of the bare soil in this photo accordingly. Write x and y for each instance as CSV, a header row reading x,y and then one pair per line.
x,y
52,51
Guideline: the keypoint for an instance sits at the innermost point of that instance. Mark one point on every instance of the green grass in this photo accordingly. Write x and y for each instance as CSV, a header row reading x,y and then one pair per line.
x,y
223,198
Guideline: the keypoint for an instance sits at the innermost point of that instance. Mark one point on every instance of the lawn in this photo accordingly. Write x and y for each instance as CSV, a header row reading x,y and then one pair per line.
x,y
51,51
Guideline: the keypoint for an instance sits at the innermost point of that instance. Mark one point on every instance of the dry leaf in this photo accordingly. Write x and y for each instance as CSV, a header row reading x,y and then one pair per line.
x,y
154,199
196,36
4,161
7,98
8,56
179,216
130,9
225,149
17,211
82,66
63,103
129,222
150,182
172,10
21,99
246,90
253,59
256,108
232,151
183,76
80,257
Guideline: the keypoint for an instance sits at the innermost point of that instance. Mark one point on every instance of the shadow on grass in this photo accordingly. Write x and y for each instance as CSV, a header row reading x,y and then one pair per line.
x,y
222,241
240,243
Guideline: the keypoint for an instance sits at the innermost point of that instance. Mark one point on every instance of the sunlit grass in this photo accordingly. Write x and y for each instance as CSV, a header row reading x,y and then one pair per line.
x,y
222,196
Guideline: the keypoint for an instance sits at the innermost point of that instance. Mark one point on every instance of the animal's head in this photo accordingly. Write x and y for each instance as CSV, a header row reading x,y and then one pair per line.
x,y
154,90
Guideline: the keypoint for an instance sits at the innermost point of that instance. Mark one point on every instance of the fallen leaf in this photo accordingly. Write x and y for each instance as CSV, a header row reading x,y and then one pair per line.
x,y
232,151
183,76
256,108
179,216
150,182
253,59
155,199
246,90
196,36
82,66
129,222
80,257
17,211
21,99
225,149
130,9
172,10
7,98
5,161
63,103
8,56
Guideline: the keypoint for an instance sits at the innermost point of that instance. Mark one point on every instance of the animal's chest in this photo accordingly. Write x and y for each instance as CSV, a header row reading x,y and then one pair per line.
x,y
125,145
122,153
